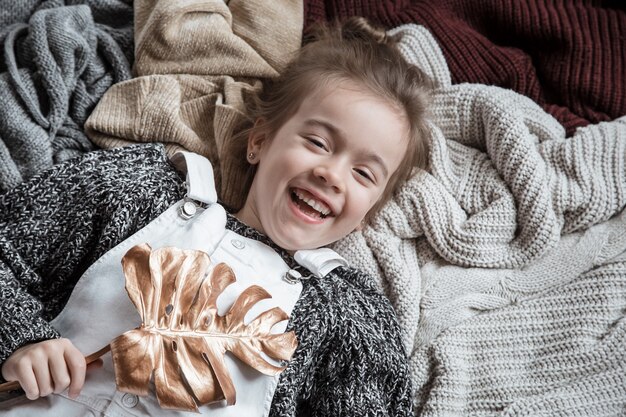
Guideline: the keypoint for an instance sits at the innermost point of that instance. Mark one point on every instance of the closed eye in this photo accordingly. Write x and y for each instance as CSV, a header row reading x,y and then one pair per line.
x,y
364,174
317,142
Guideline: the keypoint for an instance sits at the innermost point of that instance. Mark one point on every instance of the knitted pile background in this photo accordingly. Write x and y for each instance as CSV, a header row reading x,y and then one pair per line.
x,y
568,56
197,64
59,59
505,263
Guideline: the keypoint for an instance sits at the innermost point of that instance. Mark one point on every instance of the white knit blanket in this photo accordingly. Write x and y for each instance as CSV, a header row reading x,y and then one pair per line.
x,y
508,278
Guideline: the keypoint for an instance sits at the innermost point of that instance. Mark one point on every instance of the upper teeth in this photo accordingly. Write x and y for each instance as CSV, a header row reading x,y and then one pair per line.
x,y
317,205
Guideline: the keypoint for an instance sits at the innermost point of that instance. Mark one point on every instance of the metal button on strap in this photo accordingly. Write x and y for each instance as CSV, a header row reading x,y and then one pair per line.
x,y
292,276
238,243
188,210
129,400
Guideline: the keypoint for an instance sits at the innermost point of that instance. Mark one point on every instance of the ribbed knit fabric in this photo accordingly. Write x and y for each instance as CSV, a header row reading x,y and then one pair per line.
x,y
568,56
17,12
349,361
481,232
558,353
55,68
197,63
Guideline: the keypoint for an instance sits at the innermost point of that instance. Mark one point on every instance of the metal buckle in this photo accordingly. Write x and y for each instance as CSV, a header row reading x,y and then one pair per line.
x,y
188,210
293,276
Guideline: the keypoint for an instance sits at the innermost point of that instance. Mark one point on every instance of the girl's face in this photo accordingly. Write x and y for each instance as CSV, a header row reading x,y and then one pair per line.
x,y
325,168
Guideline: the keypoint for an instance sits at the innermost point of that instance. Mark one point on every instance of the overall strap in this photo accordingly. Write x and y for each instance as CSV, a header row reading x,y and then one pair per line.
x,y
320,261
200,181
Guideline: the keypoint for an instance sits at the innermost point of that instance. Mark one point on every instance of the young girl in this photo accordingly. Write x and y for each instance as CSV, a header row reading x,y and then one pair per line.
x,y
332,138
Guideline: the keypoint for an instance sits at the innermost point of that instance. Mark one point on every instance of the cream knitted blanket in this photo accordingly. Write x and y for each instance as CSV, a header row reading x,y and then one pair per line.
x,y
196,64
511,301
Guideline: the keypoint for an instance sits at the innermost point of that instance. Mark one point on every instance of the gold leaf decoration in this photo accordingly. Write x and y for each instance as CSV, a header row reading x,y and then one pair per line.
x,y
182,339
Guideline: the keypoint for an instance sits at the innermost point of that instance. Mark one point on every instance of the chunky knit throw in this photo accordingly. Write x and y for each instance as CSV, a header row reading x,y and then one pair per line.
x,y
58,61
504,264
197,63
568,56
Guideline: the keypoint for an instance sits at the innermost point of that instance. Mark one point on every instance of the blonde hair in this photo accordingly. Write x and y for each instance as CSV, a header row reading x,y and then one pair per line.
x,y
353,51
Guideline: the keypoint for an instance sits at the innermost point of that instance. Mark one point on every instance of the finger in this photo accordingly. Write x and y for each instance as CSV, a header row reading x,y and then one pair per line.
x,y
26,377
77,366
60,373
41,370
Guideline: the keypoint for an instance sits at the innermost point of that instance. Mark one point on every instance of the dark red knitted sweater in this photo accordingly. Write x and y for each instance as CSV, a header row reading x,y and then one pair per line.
x,y
567,55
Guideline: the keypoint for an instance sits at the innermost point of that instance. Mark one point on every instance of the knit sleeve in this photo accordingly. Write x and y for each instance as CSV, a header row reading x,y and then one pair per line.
x,y
365,369
53,227
350,359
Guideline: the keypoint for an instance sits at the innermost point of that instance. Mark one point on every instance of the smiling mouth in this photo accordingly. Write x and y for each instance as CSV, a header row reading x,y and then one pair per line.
x,y
310,206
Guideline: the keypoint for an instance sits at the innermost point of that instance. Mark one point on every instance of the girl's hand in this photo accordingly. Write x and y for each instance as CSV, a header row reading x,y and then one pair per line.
x,y
46,367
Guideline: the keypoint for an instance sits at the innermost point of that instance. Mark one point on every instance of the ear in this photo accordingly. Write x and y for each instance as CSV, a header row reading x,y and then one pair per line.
x,y
257,139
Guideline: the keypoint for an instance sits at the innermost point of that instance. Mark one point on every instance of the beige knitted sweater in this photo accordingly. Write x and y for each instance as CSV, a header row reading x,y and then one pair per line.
x,y
511,301
196,64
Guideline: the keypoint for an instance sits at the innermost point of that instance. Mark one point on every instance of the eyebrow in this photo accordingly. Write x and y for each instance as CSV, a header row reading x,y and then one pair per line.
x,y
336,132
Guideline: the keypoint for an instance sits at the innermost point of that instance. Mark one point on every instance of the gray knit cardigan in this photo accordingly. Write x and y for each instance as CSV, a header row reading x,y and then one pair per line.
x,y
349,362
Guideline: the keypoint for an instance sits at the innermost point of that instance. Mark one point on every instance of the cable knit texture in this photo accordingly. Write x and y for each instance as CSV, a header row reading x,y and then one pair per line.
x,y
59,58
568,56
349,361
514,244
198,62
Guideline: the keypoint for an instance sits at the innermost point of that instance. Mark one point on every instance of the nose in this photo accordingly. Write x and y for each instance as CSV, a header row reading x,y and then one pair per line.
x,y
329,175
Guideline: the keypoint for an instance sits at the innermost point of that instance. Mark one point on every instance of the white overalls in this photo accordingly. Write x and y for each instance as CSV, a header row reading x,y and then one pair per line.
x,y
99,308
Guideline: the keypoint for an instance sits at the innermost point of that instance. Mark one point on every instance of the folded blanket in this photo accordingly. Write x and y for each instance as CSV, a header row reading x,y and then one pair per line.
x,y
510,313
55,68
555,352
568,56
197,64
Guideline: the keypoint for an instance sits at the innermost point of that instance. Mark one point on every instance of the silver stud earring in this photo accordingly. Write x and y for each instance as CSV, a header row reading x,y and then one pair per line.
x,y
251,156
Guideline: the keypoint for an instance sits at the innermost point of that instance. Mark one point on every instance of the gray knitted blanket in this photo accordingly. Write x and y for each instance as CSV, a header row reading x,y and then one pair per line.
x,y
59,58
506,273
